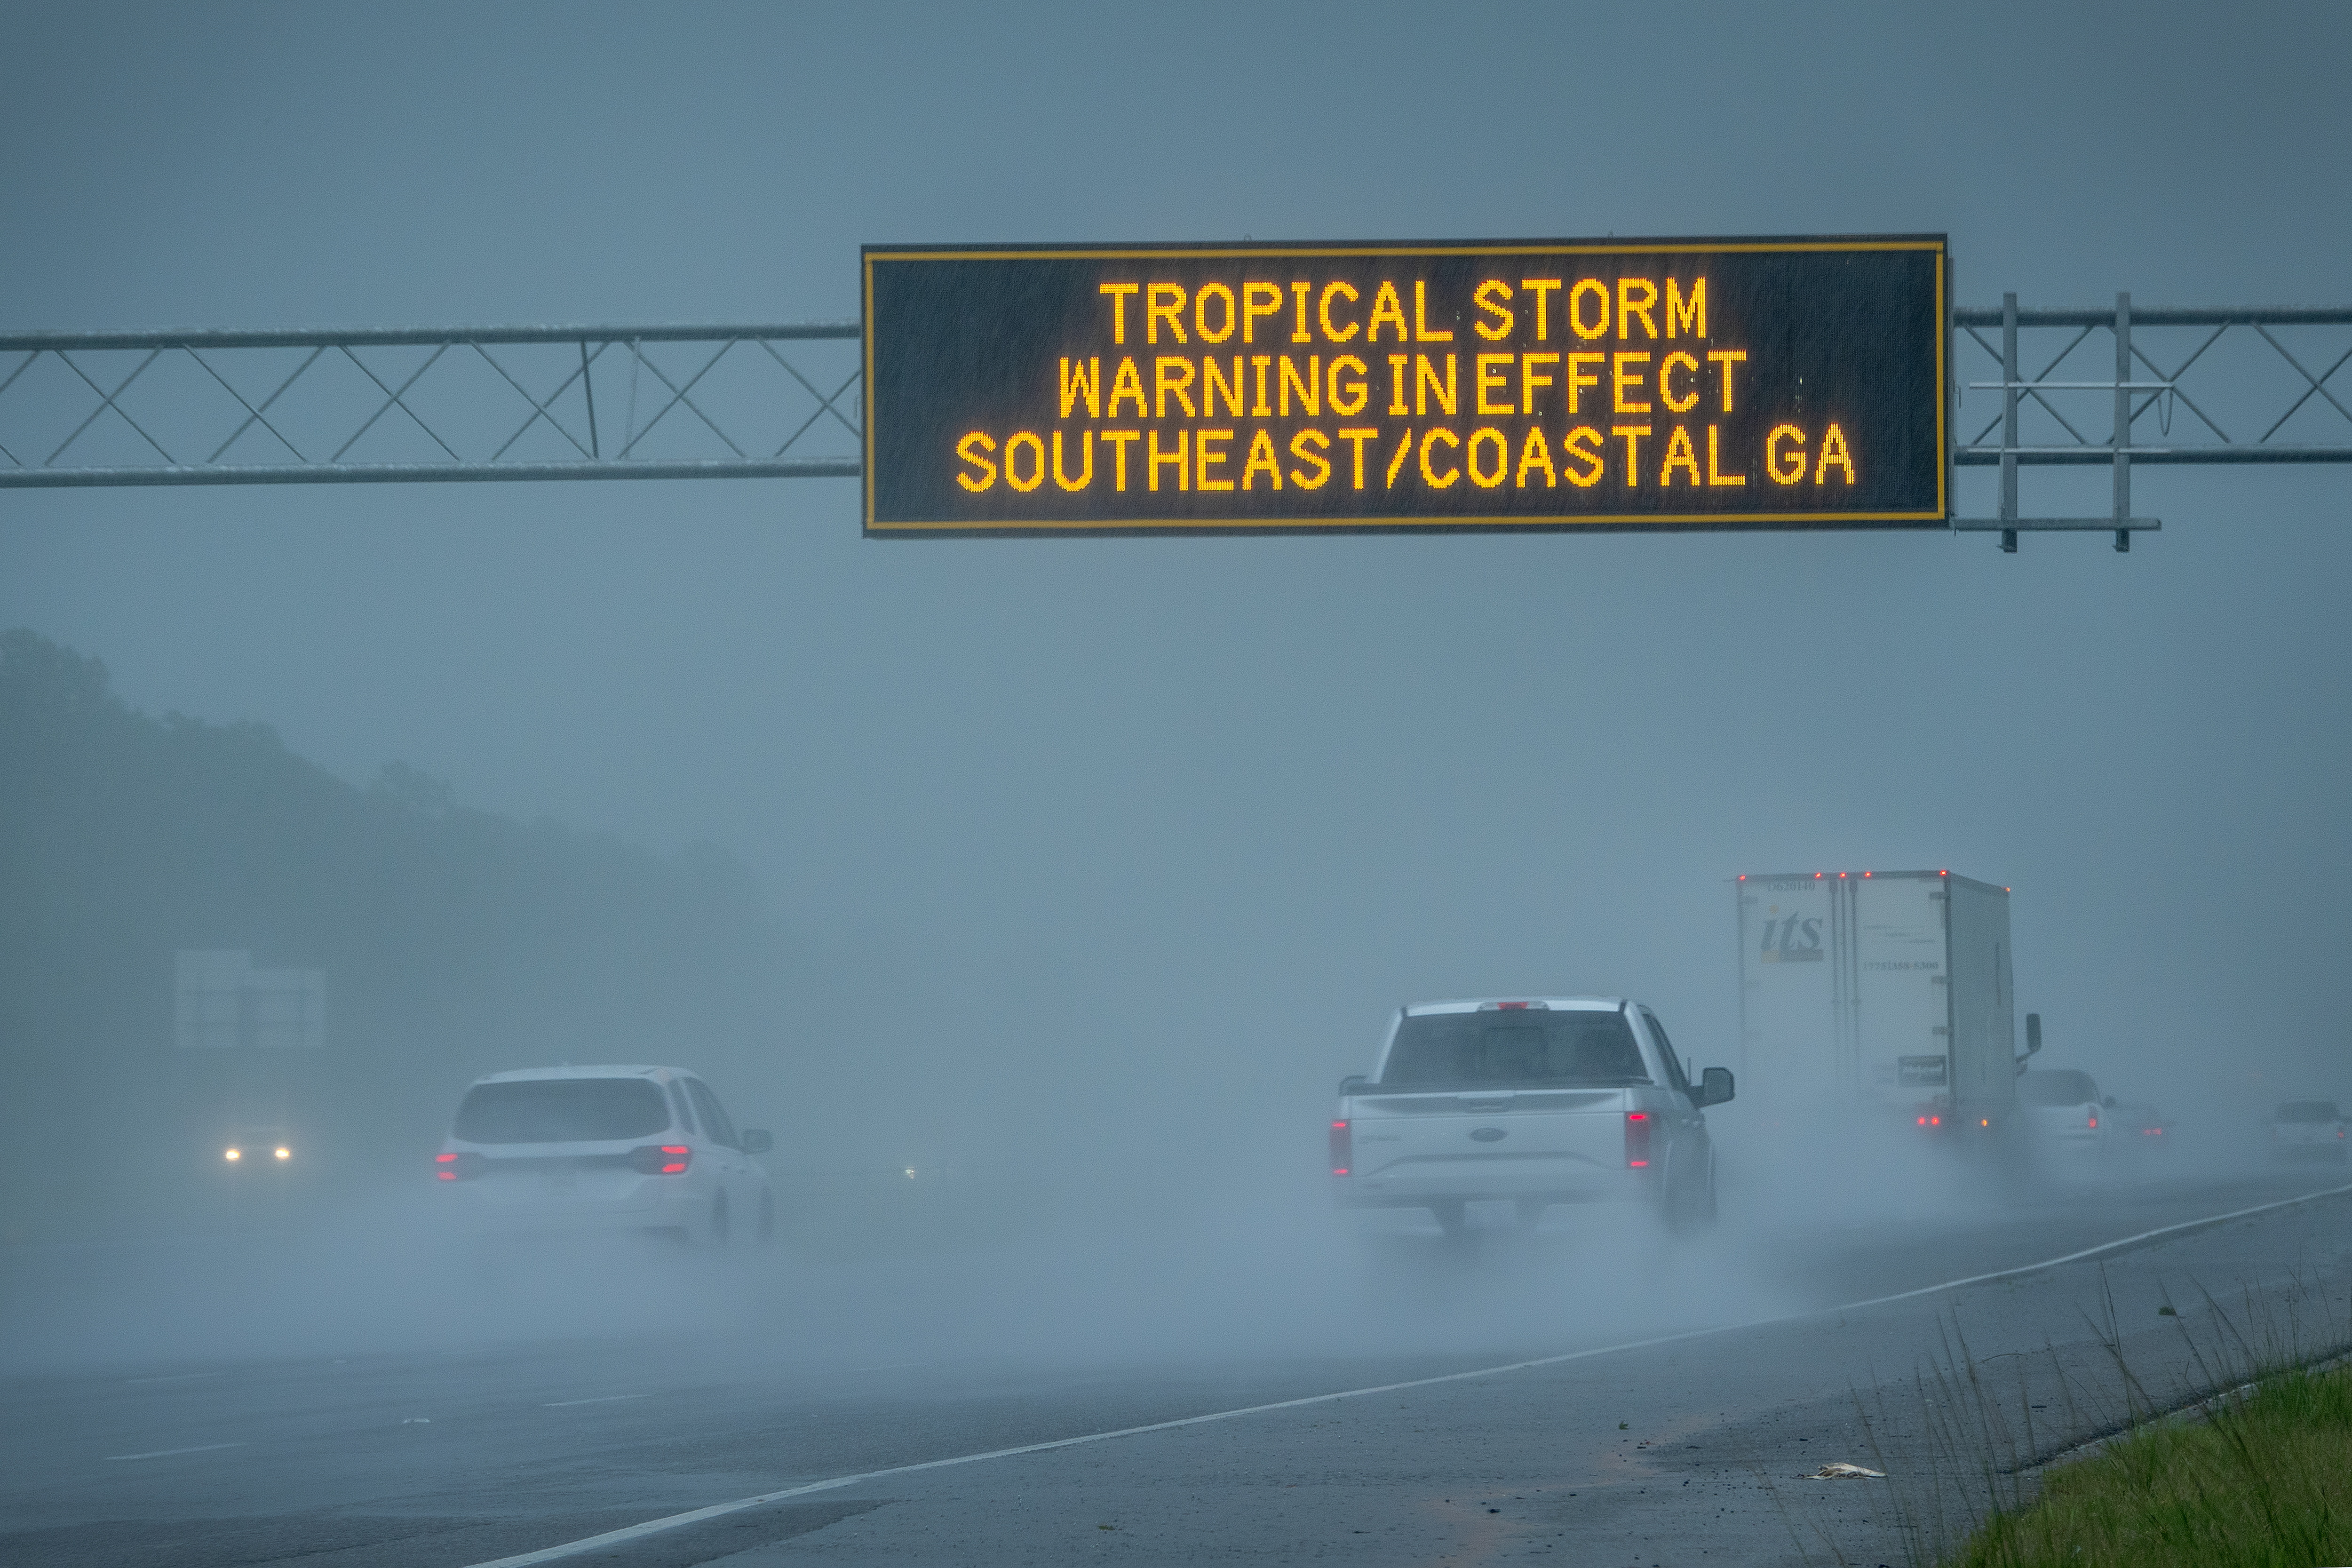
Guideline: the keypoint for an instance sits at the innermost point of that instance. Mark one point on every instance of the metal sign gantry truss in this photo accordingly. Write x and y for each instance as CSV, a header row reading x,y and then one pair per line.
x,y
783,401
387,404
2254,358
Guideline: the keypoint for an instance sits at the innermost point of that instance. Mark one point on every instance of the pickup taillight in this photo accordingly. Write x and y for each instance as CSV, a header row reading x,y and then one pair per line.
x,y
1343,1149
457,1167
661,1158
1637,1139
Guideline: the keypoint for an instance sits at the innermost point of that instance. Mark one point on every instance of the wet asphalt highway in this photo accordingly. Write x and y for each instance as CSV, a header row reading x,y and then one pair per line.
x,y
1676,1409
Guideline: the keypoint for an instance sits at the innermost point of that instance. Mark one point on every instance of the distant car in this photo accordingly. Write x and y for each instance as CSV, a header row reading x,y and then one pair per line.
x,y
605,1148
257,1151
2307,1129
2134,1124
2063,1108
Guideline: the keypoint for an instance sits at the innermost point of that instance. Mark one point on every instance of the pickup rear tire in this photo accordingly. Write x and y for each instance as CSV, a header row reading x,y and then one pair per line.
x,y
1690,1206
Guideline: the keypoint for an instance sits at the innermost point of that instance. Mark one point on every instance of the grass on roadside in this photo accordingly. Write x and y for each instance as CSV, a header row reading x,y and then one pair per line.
x,y
2267,1480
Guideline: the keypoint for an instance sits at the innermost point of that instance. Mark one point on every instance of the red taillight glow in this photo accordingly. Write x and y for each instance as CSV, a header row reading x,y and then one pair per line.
x,y
2095,1121
661,1158
1343,1151
1510,1006
462,1167
1637,1139
1923,1122
448,1163
1934,1121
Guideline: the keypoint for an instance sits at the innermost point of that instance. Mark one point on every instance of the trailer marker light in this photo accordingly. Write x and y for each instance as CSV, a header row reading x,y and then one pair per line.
x,y
1984,1122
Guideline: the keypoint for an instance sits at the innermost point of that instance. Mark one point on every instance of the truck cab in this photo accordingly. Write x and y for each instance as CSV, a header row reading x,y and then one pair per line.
x,y
1533,1101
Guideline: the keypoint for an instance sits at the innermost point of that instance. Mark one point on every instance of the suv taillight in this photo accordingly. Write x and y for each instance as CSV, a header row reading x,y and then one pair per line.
x,y
1343,1149
662,1159
1637,1139
457,1167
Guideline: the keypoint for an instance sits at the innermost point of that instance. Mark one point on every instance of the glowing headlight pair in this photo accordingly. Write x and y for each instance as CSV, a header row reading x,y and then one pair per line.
x,y
234,1156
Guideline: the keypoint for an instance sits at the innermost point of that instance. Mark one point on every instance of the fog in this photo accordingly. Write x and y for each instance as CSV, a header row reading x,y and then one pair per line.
x,y
1072,875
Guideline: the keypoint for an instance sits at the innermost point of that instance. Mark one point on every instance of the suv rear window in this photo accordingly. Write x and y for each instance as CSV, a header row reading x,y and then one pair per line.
x,y
2056,1088
2308,1110
1494,1050
562,1111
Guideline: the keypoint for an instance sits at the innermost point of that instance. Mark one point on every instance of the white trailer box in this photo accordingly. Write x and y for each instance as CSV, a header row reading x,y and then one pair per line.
x,y
1886,988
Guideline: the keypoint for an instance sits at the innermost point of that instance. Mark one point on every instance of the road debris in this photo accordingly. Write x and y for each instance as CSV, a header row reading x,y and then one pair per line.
x,y
1844,1472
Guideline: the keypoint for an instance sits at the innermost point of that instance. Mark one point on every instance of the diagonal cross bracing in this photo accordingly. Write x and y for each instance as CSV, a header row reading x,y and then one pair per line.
x,y
454,407
2236,355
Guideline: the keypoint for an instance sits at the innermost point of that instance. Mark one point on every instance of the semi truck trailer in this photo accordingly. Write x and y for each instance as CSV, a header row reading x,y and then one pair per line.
x,y
1883,994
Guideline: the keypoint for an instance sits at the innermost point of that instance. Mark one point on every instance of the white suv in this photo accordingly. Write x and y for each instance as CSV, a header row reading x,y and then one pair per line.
x,y
635,1148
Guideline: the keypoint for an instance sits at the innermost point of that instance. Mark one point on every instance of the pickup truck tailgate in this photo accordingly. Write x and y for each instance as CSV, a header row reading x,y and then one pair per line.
x,y
1563,1145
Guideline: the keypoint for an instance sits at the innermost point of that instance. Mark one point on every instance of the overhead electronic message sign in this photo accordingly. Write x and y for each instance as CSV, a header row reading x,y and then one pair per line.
x,y
1555,384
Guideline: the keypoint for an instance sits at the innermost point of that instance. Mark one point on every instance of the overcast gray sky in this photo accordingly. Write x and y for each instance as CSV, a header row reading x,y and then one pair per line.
x,y
1230,800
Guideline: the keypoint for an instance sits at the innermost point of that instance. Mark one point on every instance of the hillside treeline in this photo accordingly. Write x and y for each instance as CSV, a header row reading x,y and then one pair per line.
x,y
455,941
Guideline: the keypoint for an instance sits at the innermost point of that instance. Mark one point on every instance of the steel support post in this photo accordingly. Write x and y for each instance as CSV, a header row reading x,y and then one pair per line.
x,y
2123,422
2009,378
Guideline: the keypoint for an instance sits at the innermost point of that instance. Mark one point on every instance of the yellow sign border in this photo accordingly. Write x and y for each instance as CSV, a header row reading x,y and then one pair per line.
x,y
1609,521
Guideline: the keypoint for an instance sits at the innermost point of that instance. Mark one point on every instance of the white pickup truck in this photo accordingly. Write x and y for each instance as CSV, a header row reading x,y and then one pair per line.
x,y
1532,1101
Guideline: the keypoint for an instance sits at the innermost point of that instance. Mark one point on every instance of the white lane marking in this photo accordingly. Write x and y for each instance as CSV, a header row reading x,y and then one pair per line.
x,y
886,1366
721,1510
600,1399
167,1453
175,1377
2129,1241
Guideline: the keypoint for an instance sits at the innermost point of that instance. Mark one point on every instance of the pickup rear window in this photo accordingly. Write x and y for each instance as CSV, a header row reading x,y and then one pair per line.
x,y
562,1111
1497,1050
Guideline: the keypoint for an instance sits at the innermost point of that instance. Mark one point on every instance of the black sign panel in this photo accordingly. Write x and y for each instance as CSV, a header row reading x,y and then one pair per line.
x,y
1624,383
